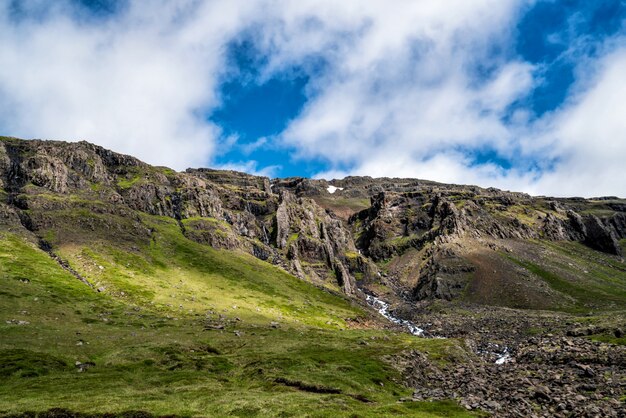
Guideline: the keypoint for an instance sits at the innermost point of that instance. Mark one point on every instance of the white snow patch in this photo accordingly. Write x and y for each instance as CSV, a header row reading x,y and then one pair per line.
x,y
332,189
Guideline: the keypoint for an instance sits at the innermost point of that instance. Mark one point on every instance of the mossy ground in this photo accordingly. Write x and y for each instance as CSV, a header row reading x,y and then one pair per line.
x,y
146,336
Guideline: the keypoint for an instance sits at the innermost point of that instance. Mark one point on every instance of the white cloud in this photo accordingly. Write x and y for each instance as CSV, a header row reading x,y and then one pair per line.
x,y
407,88
404,94
251,167
588,134
136,83
250,147
402,100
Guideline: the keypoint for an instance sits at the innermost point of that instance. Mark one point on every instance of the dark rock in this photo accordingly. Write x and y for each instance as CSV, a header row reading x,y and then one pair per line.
x,y
542,393
600,237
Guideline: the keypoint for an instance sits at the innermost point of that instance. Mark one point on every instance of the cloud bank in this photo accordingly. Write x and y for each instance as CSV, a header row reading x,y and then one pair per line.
x,y
426,89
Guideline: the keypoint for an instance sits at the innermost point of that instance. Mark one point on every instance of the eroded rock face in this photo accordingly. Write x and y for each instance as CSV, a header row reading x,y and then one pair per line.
x,y
5,164
617,223
588,229
313,236
426,232
324,231
9,218
223,209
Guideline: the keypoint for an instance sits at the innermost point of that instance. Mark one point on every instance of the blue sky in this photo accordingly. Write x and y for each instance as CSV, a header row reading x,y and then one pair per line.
x,y
519,94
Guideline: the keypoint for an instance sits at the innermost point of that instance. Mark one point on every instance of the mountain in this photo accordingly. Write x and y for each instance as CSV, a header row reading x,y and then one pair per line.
x,y
217,293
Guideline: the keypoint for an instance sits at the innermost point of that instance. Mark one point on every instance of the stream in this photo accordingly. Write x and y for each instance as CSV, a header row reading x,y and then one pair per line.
x,y
502,355
383,308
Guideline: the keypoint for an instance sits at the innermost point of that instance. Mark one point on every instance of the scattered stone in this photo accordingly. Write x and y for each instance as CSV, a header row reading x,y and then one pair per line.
x,y
213,327
542,393
81,367
587,371
551,375
17,322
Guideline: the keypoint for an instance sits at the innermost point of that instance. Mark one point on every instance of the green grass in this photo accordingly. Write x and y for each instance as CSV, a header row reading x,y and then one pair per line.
x,y
351,255
219,374
127,183
600,265
25,363
132,176
152,355
174,272
343,203
606,338
591,280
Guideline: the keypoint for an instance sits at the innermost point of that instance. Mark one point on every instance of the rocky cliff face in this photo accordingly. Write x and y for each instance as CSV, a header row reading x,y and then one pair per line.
x,y
414,238
426,240
45,184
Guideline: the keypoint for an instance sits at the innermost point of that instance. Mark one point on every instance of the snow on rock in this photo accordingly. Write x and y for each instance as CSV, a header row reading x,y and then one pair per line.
x,y
332,189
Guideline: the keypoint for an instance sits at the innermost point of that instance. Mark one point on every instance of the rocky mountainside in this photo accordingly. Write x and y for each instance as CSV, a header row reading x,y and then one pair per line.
x,y
504,276
415,238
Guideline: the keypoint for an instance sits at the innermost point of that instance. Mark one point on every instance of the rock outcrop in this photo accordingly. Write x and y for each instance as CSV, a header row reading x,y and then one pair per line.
x,y
339,233
426,230
223,209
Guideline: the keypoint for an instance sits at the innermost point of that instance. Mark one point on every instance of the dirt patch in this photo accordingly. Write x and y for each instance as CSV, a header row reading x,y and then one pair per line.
x,y
499,282
307,387
66,413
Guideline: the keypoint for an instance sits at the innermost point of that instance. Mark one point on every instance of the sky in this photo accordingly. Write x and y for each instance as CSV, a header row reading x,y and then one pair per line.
x,y
521,95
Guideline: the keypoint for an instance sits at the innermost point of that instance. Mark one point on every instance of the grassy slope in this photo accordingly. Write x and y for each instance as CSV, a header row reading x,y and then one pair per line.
x,y
342,206
152,354
589,280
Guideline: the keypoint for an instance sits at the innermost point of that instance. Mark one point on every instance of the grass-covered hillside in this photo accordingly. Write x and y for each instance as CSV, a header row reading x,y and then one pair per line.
x,y
182,329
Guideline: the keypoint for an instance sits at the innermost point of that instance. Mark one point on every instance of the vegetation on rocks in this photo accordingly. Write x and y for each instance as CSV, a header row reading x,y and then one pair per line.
x,y
138,290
